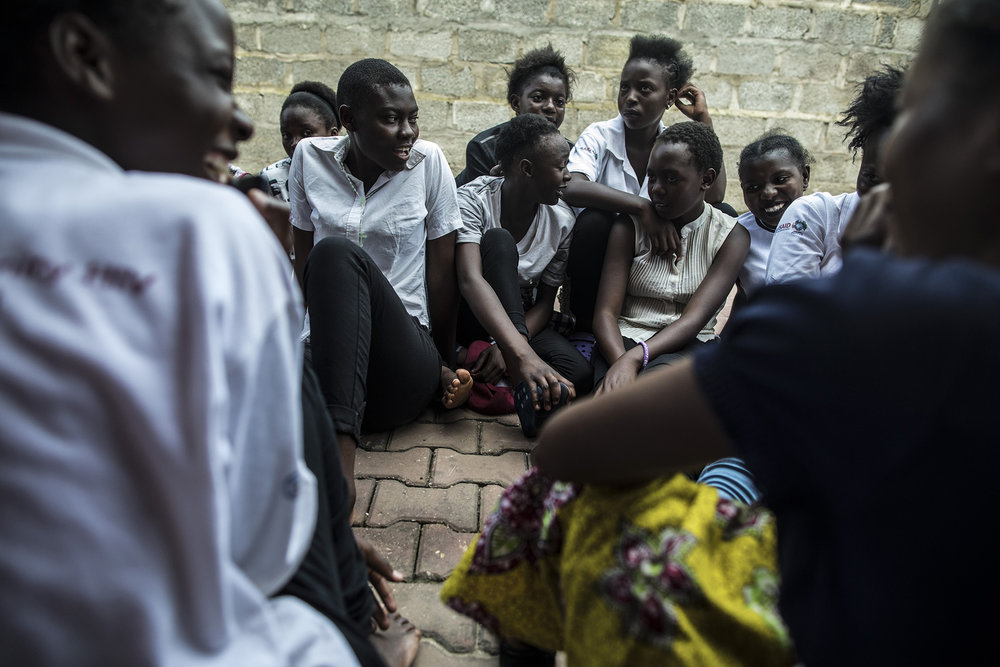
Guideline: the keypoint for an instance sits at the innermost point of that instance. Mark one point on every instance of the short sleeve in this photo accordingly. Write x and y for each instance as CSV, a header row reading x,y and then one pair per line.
x,y
587,153
473,216
798,246
555,273
443,216
301,211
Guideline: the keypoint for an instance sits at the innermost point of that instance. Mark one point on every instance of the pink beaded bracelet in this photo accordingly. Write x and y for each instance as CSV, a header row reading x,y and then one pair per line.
x,y
645,353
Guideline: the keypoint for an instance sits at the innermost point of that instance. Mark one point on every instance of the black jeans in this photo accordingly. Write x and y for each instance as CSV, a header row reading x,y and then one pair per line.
x,y
586,261
333,577
377,366
499,255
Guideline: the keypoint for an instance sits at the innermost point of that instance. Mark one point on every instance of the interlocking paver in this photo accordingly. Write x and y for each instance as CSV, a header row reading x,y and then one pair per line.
x,y
455,506
440,550
365,488
487,641
398,543
461,436
375,442
498,438
458,414
420,603
450,467
489,496
409,466
433,654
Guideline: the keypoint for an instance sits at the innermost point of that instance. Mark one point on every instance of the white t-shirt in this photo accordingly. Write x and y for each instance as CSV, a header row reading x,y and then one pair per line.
x,y
150,454
544,249
806,243
600,155
755,266
393,221
277,177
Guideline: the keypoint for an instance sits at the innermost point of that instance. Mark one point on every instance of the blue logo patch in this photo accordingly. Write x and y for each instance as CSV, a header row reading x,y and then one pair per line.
x,y
799,226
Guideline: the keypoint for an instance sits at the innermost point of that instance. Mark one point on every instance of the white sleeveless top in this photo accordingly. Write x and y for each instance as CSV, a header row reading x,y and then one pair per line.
x,y
659,288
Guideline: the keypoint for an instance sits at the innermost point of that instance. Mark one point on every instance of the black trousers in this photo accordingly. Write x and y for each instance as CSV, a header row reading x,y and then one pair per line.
x,y
499,256
586,261
333,577
377,366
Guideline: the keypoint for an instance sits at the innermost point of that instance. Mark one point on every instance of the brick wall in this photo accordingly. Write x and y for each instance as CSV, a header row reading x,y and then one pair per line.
x,y
762,63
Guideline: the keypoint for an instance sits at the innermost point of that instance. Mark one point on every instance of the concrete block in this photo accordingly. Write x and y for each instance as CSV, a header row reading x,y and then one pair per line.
x,y
765,96
455,506
247,37
491,46
291,38
318,6
327,70
808,132
477,116
718,91
497,438
461,436
387,10
818,62
355,40
420,602
607,50
461,11
785,23
525,12
703,57
410,466
863,63
434,117
458,414
591,87
737,130
430,45
493,82
885,32
448,80
374,442
364,489
592,14
714,20
569,44
450,467
746,59
398,543
433,654
843,27
825,99
440,550
908,34
650,16
253,69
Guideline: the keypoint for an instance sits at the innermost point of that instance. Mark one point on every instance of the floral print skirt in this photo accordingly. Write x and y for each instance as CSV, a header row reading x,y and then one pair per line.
x,y
666,573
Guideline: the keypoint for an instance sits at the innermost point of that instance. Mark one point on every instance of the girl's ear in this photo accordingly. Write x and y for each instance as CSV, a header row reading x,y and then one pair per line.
x,y
708,178
671,98
346,118
805,177
84,53
515,103
525,167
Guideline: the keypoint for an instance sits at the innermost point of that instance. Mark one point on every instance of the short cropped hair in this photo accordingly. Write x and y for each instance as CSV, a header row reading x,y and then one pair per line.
x,y
359,81
520,132
771,141
538,61
129,21
316,96
666,52
873,110
701,140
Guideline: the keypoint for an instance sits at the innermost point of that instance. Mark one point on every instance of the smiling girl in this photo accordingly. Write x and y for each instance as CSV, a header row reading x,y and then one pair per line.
x,y
374,216
651,309
774,172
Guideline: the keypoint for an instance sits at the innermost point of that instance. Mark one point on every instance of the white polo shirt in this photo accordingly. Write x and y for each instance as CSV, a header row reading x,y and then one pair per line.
x,y
600,155
755,265
806,243
393,221
544,249
151,475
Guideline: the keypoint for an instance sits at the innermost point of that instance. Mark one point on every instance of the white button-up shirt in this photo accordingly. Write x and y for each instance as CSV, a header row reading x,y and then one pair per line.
x,y
806,243
392,221
600,155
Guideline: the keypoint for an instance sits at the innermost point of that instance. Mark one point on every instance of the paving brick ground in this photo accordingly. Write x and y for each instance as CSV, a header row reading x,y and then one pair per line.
x,y
423,492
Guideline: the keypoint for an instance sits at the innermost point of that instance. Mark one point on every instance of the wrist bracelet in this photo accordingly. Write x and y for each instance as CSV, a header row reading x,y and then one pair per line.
x,y
645,353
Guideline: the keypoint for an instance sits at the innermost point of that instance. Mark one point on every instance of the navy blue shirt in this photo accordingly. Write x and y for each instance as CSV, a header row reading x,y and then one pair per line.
x,y
866,405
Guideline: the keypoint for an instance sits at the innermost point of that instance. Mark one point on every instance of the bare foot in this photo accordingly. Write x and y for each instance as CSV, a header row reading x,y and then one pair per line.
x,y
457,386
398,645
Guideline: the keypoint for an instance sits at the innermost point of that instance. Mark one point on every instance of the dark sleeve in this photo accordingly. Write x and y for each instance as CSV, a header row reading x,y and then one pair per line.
x,y
480,156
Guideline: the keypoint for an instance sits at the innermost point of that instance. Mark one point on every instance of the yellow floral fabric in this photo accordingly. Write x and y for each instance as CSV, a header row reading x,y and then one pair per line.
x,y
666,573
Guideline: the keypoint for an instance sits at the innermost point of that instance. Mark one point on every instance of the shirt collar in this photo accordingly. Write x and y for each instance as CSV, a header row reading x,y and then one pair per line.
x,y
28,139
340,148
617,144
